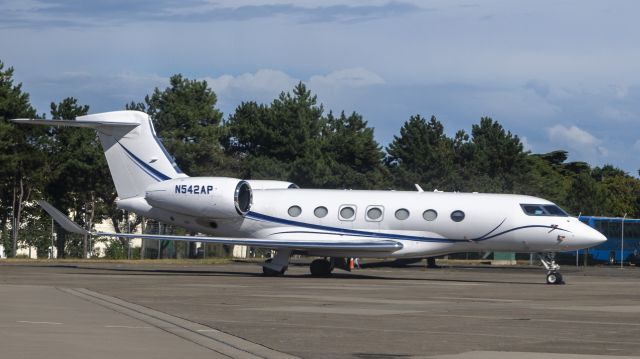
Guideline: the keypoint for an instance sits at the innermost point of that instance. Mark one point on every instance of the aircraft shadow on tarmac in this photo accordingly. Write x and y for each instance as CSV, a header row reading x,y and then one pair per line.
x,y
216,273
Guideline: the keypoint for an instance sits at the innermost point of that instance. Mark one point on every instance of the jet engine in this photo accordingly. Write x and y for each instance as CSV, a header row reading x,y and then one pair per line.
x,y
210,197
269,184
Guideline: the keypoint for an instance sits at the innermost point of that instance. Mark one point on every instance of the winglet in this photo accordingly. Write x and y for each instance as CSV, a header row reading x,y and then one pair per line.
x,y
61,219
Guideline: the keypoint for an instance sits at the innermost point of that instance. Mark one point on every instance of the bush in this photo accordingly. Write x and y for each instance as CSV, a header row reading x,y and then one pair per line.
x,y
115,250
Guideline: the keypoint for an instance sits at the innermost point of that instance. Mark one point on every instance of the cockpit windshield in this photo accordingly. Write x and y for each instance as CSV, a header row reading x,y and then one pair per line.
x,y
543,210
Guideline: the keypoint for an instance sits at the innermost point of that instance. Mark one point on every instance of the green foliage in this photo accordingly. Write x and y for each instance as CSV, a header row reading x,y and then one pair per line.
x,y
79,180
188,122
355,156
115,249
21,157
37,231
498,161
287,131
423,154
290,138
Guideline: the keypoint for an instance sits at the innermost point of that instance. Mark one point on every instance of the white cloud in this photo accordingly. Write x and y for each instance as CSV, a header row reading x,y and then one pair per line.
x,y
266,84
525,144
262,86
613,113
575,138
264,81
539,87
620,92
353,77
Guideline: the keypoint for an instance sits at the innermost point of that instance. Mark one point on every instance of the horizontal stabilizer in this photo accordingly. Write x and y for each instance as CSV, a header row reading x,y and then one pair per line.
x,y
61,219
76,123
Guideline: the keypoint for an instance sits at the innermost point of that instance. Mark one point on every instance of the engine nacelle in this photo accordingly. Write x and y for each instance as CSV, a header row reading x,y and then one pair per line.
x,y
270,184
210,197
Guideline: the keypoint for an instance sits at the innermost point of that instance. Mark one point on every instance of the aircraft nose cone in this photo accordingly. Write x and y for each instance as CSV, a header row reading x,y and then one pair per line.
x,y
599,238
594,238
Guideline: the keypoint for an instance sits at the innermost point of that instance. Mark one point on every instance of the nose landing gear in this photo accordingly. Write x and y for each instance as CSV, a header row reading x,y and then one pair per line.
x,y
554,278
553,270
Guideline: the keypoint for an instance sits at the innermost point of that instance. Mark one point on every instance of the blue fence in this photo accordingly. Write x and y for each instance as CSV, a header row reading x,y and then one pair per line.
x,y
611,227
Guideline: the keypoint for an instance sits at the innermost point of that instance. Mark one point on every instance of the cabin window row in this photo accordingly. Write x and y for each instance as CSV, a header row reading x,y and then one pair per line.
x,y
347,212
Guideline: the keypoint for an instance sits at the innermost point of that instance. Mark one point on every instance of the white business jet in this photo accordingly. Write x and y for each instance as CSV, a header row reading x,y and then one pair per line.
x,y
331,224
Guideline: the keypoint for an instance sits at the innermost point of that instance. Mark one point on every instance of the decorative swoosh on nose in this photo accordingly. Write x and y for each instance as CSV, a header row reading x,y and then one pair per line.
x,y
491,231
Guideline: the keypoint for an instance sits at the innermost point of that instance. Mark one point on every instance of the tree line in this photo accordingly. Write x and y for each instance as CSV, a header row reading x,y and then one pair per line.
x,y
292,138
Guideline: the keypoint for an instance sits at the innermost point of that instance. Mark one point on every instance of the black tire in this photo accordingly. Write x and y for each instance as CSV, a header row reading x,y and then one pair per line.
x,y
554,278
320,268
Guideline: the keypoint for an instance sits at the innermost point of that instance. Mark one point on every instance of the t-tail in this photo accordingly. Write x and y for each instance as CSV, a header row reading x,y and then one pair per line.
x,y
134,153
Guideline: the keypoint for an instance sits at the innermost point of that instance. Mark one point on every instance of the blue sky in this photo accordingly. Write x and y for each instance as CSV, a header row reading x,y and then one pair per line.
x,y
560,74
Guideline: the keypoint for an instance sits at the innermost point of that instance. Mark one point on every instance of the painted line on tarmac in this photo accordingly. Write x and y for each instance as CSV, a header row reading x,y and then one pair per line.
x,y
345,299
522,355
214,340
125,327
568,321
471,299
30,322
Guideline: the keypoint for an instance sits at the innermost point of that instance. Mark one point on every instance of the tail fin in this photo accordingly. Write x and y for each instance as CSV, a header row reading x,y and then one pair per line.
x,y
134,153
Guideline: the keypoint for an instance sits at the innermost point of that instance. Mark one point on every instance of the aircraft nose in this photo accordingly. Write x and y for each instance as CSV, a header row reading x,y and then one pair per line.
x,y
593,237
599,238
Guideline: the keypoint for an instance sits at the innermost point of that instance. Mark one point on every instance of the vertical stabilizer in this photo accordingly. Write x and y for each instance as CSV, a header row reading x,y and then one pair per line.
x,y
135,155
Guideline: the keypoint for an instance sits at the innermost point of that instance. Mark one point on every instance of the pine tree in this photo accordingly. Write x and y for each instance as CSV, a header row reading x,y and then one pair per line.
x,y
189,124
20,155
422,154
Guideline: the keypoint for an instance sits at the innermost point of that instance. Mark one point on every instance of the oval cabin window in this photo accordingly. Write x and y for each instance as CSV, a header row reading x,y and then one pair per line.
x,y
374,213
294,211
457,216
320,212
402,214
430,215
347,213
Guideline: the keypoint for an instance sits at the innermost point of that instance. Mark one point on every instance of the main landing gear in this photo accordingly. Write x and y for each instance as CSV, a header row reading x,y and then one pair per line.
x,y
553,269
278,265
321,267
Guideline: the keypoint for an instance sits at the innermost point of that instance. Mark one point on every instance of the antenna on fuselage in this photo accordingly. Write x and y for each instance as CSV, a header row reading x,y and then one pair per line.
x,y
418,187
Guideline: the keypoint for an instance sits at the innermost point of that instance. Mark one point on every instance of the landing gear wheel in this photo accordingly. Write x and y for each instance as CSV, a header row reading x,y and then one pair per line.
x,y
320,268
554,278
549,262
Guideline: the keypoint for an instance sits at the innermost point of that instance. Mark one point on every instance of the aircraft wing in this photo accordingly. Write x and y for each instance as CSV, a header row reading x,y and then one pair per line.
x,y
60,218
327,242
297,244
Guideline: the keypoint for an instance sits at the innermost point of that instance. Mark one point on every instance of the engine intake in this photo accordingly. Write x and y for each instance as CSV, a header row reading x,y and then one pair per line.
x,y
243,197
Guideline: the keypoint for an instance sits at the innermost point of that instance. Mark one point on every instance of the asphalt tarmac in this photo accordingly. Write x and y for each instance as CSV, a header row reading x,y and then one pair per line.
x,y
231,311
